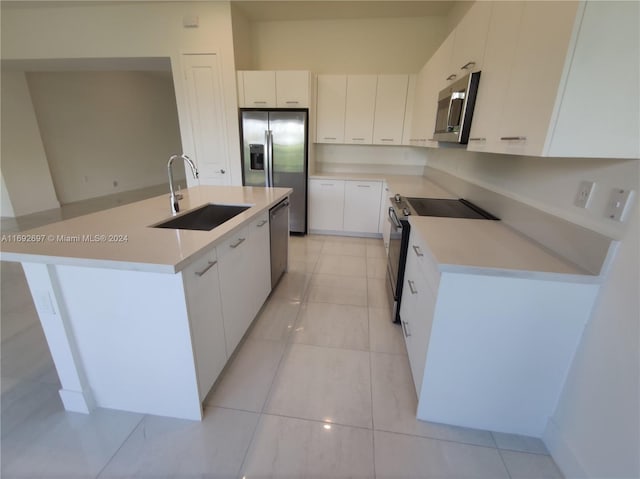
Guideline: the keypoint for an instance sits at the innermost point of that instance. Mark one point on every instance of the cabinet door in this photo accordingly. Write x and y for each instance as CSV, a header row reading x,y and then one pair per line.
x,y
417,310
258,278
441,64
235,267
326,204
292,89
422,110
202,290
360,108
391,100
470,40
496,72
208,122
362,206
535,77
331,102
408,112
260,89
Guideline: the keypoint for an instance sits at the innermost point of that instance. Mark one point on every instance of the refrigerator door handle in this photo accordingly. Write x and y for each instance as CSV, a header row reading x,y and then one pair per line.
x,y
267,159
270,133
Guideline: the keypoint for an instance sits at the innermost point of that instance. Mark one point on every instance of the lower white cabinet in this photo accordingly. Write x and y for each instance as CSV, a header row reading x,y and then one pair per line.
x,y
362,206
202,291
489,350
326,204
245,278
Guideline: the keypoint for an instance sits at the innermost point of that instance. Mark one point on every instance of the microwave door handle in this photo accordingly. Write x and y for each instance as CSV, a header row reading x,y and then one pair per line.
x,y
449,125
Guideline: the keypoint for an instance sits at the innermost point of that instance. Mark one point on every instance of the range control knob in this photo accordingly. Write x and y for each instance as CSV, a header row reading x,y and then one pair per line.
x,y
398,198
406,212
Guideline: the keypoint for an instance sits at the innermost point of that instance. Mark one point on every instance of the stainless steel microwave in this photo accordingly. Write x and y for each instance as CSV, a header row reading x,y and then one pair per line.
x,y
455,109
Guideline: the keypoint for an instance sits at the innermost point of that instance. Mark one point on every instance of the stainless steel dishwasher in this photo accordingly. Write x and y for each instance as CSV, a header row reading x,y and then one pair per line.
x,y
279,235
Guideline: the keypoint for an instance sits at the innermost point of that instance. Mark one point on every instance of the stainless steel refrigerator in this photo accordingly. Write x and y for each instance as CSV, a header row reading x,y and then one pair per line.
x,y
274,153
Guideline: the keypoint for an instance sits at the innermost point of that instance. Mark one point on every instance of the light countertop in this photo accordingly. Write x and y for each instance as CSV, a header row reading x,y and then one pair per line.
x,y
491,247
474,246
123,239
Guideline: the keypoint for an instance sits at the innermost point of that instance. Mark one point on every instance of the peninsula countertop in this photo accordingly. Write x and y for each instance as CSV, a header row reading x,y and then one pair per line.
x,y
123,237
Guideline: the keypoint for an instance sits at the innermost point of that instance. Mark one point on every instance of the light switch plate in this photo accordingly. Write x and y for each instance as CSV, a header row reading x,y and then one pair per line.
x,y
619,204
584,194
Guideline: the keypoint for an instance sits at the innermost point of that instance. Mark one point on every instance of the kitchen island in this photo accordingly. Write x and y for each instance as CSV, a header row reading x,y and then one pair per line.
x,y
143,319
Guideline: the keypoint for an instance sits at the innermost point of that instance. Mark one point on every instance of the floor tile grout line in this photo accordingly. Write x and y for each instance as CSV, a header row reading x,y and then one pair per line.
x,y
504,462
144,416
318,421
438,439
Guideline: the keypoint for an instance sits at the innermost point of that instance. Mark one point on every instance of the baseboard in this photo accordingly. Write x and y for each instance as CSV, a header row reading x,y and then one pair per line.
x,y
562,453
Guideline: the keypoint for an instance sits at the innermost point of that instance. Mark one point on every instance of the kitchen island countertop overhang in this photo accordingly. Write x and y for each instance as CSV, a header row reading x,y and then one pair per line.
x,y
124,237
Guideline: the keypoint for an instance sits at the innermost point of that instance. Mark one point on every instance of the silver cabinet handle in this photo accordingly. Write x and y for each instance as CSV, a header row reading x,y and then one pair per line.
x,y
209,266
292,102
514,138
417,139
416,248
357,139
237,243
412,287
405,329
329,138
468,65
364,186
260,102
451,77
477,139
326,184
386,139
262,223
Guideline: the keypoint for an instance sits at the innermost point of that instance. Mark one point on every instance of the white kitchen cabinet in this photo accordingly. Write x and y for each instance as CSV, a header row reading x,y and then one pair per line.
x,y
293,89
390,106
469,40
202,291
407,128
326,204
245,278
494,79
416,311
331,94
561,90
208,122
535,76
465,327
360,109
259,89
362,206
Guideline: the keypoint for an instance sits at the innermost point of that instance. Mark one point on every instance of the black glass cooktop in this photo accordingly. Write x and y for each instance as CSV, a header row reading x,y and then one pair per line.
x,y
446,208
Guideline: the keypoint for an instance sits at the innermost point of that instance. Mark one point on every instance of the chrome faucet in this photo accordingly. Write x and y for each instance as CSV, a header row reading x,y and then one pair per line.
x,y
175,207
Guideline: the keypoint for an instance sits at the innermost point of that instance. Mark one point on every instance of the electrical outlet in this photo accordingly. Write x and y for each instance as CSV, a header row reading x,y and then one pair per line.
x,y
584,194
619,204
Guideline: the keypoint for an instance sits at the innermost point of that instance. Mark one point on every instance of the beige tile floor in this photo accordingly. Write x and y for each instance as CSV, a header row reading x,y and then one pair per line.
x,y
320,388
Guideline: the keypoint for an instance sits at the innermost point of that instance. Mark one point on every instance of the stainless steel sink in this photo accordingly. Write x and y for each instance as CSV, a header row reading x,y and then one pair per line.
x,y
204,218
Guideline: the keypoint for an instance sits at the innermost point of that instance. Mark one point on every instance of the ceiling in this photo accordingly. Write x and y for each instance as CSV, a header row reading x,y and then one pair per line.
x,y
266,10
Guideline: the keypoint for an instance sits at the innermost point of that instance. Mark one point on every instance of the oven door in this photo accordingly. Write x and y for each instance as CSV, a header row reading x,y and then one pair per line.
x,y
394,262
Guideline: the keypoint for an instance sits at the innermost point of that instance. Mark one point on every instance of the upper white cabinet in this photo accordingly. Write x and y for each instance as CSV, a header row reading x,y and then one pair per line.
x,y
469,41
331,101
390,105
293,89
408,112
362,206
560,79
259,89
360,108
274,89
208,123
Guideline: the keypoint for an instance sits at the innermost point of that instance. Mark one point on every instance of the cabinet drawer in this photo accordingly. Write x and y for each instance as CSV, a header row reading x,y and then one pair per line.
x,y
233,243
426,264
200,265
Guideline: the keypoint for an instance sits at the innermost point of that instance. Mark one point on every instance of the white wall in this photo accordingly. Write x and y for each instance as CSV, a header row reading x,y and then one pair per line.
x,y
24,164
5,202
241,39
104,127
594,432
396,160
130,30
370,45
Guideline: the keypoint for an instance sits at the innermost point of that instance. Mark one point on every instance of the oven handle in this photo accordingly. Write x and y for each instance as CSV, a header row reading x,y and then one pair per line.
x,y
394,218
